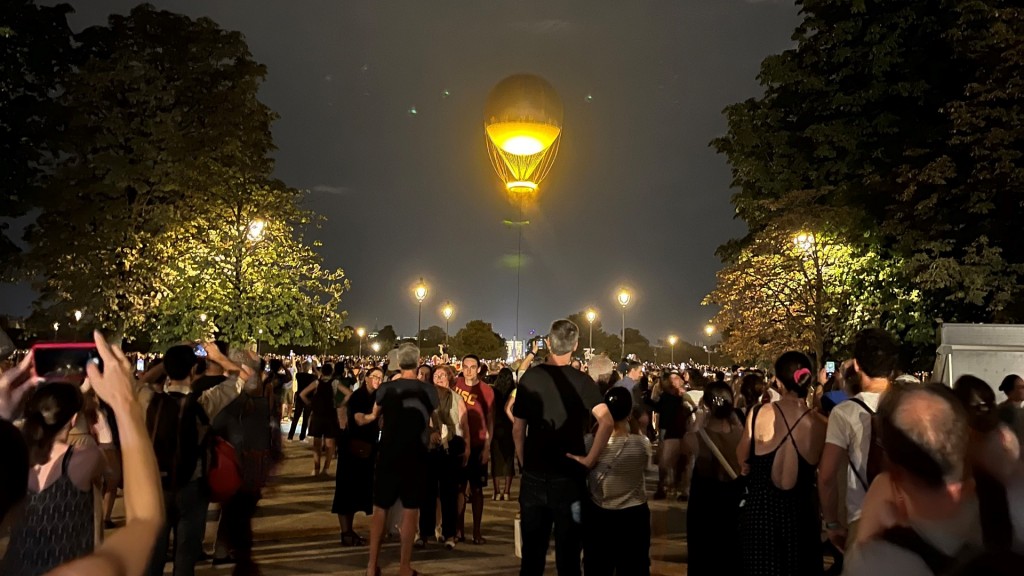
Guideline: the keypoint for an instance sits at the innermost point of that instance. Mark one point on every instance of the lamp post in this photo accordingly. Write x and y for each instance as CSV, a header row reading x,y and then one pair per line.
x,y
56,327
624,297
376,347
78,320
202,317
672,346
591,316
447,312
710,331
258,338
421,293
360,332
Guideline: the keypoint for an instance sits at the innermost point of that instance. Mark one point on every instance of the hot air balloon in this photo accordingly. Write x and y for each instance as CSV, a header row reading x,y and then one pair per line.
x,y
522,127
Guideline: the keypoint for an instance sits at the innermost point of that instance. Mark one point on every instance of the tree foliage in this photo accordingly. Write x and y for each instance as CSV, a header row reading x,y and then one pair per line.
x,y
478,337
35,57
164,165
900,126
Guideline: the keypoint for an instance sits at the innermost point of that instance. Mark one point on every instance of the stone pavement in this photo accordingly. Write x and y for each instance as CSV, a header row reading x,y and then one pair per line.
x,y
297,534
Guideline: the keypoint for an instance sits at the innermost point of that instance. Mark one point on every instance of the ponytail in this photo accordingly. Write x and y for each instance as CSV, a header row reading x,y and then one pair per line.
x,y
48,412
793,369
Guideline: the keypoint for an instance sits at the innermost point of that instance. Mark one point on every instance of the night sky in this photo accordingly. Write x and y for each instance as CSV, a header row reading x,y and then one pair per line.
x,y
635,197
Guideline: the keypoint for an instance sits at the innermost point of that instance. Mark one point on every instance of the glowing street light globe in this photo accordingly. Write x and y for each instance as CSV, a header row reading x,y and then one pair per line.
x,y
709,330
672,340
591,316
624,297
255,231
360,332
420,291
447,311
522,125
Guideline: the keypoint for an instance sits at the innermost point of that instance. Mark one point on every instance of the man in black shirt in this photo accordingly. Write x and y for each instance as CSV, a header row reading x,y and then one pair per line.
x,y
405,406
552,412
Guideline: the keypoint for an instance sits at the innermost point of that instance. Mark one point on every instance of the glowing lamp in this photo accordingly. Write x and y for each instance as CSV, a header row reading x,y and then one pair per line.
x,y
591,316
624,298
672,340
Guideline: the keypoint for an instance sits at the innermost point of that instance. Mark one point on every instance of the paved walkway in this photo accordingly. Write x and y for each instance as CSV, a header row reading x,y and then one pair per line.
x,y
296,534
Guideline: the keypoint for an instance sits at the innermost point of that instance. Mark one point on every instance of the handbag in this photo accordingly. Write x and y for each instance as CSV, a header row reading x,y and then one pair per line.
x,y
360,448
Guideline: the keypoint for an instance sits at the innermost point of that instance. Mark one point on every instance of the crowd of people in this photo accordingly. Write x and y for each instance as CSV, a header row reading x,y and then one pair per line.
x,y
797,470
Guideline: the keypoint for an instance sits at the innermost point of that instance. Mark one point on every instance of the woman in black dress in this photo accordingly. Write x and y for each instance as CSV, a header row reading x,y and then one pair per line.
x,y
503,449
353,485
780,529
713,512
324,426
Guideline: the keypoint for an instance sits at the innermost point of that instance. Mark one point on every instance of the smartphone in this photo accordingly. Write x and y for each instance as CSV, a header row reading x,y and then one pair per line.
x,y
64,362
541,344
200,351
830,368
140,365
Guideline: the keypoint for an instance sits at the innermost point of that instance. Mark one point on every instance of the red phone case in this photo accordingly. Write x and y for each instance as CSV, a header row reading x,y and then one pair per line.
x,y
58,345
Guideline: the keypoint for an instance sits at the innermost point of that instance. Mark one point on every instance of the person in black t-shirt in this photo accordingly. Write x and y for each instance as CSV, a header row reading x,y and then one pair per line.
x,y
303,380
554,403
404,406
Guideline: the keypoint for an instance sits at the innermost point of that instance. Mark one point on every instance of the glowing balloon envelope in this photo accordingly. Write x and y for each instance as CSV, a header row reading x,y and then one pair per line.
x,y
522,125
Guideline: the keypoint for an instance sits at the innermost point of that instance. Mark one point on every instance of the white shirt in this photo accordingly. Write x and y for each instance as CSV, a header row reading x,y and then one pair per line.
x,y
849,427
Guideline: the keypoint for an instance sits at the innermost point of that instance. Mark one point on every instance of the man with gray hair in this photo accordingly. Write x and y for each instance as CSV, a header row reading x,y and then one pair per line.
x,y
405,405
928,516
554,404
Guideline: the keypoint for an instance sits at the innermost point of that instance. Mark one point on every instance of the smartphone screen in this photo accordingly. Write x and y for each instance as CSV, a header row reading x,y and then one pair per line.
x,y
140,365
63,362
200,351
830,368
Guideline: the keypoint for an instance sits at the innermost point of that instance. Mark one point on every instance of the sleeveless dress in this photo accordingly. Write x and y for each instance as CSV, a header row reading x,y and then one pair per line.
x,y
780,530
712,514
57,527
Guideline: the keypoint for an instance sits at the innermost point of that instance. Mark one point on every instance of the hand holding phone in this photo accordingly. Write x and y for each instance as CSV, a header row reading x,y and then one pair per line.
x,y
64,362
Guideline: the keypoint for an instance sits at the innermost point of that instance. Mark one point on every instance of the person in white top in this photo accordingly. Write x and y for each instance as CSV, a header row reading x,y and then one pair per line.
x,y
848,439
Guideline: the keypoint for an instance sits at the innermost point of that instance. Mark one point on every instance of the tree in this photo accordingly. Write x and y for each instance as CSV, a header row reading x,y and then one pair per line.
x,y
386,337
430,339
478,337
243,263
35,58
167,136
901,125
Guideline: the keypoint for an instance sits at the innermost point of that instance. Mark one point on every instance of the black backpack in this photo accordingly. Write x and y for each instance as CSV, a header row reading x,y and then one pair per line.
x,y
876,453
997,558
173,420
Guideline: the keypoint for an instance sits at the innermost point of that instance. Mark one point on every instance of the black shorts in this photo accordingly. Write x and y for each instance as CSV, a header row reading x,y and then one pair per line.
x,y
475,472
401,479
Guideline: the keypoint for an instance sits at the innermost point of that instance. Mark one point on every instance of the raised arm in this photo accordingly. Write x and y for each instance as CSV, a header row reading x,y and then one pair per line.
x,y
127,552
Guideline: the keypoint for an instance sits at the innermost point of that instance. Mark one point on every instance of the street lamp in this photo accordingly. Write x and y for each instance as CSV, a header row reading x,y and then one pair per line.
x,y
710,331
56,327
624,298
360,332
376,347
255,231
447,312
804,241
202,317
421,293
258,338
78,315
672,345
591,316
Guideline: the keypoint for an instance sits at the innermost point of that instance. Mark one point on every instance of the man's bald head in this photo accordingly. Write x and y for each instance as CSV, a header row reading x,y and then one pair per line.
x,y
924,432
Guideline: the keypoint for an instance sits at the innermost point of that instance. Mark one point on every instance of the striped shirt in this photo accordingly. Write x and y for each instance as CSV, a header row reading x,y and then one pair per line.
x,y
618,480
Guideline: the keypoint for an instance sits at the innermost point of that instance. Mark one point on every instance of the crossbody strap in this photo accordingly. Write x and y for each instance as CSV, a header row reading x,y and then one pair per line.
x,y
863,481
601,476
718,454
